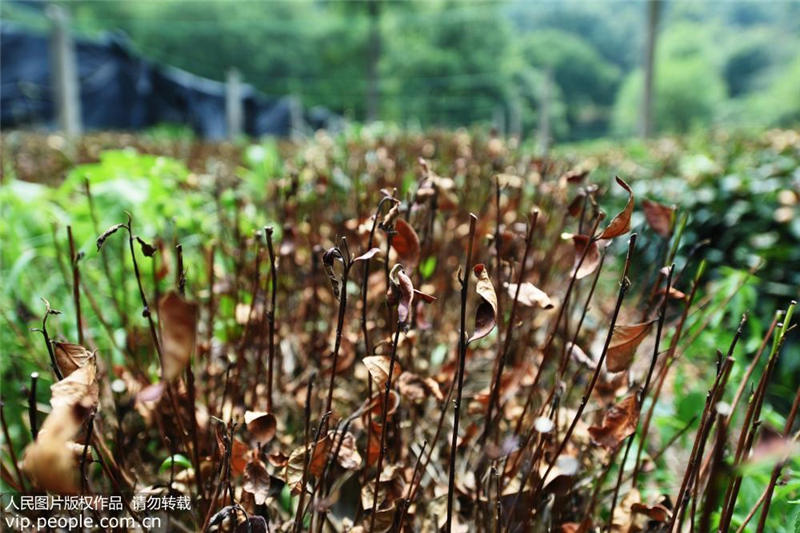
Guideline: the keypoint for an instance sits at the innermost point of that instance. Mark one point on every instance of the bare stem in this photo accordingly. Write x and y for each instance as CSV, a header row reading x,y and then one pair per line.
x,y
462,357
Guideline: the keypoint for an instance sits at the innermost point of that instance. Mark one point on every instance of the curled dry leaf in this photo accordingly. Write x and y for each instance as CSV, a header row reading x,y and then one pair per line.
x,y
486,313
580,357
417,389
70,357
624,341
425,297
239,450
297,461
51,462
108,233
591,260
621,223
261,425
659,217
328,260
576,175
560,479
378,367
256,480
673,293
657,512
148,250
179,330
405,288
530,295
348,457
619,422
80,387
576,205
392,214
394,403
368,255
278,459
406,243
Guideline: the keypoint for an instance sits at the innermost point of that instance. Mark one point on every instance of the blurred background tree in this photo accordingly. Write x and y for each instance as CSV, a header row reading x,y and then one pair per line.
x,y
453,63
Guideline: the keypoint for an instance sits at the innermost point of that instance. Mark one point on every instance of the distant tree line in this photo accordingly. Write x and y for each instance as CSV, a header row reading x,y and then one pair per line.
x,y
453,63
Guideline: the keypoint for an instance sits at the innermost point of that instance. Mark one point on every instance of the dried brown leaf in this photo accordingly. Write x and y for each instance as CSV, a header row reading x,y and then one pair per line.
x,y
256,480
590,261
659,217
406,243
624,341
71,357
348,457
179,330
621,223
261,425
657,512
619,422
486,312
406,291
530,295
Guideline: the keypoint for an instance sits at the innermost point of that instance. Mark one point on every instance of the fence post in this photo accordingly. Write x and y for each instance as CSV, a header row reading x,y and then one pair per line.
x,y
296,117
64,73
233,103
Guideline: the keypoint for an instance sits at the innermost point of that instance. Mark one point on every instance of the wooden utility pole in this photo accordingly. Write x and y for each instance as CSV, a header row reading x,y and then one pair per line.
x,y
515,118
653,13
544,113
499,119
64,73
373,56
233,103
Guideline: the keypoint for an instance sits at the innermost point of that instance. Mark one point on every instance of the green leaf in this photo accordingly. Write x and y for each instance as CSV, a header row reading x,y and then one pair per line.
x,y
286,499
179,460
427,267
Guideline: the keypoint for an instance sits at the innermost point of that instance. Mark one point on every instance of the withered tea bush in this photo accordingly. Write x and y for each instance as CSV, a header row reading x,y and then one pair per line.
x,y
466,342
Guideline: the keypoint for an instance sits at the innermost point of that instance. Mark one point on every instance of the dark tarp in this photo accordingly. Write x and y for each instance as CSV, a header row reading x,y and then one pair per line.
x,y
120,90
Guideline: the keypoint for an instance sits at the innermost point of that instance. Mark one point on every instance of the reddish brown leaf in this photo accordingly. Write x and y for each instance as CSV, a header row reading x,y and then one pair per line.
x,y
576,175
406,243
624,341
261,425
659,217
657,512
71,357
179,329
486,313
297,461
619,422
576,205
621,223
